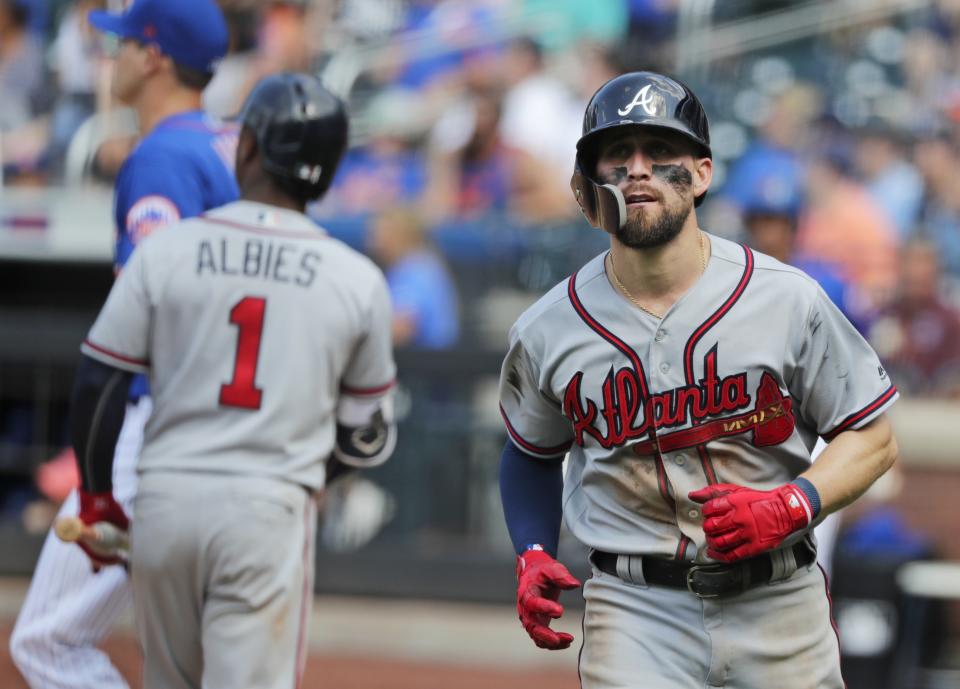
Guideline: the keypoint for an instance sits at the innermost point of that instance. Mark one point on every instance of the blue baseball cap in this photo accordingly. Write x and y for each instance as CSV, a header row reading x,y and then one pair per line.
x,y
192,32
775,195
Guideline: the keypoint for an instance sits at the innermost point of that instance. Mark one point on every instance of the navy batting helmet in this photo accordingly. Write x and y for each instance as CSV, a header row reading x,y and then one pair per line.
x,y
636,99
301,130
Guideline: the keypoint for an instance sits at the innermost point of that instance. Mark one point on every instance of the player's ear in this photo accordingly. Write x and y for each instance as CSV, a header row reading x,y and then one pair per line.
x,y
153,59
246,152
246,146
702,175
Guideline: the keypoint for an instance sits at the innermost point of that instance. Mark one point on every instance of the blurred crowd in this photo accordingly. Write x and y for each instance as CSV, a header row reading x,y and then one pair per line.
x,y
835,151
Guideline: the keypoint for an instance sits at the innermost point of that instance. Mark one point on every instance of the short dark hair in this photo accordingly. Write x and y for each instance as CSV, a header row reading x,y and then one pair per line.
x,y
192,78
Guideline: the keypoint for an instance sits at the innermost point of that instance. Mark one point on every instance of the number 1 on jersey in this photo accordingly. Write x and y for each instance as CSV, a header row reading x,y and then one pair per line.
x,y
241,391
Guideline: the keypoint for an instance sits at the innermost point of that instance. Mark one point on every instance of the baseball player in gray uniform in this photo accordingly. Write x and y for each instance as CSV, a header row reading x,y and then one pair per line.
x,y
689,378
268,348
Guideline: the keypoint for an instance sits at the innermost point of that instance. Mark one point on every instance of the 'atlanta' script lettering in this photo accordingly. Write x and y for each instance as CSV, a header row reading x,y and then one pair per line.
x,y
627,416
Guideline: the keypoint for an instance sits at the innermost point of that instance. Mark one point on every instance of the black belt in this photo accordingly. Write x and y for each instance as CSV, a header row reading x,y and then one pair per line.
x,y
709,580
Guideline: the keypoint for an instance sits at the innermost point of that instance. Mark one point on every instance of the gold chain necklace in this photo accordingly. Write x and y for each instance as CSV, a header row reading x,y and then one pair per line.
x,y
626,292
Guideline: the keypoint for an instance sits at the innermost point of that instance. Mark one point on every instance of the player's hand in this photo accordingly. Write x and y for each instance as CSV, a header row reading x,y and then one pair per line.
x,y
540,579
101,507
741,522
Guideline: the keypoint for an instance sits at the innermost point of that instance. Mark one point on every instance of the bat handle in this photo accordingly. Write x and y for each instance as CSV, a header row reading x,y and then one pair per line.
x,y
102,535
110,537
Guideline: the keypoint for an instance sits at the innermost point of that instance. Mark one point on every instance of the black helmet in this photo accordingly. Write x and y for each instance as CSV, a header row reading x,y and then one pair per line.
x,y
301,130
644,99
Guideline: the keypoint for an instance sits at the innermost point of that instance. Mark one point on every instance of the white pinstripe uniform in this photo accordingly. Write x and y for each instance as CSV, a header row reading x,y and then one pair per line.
x,y
259,332
734,384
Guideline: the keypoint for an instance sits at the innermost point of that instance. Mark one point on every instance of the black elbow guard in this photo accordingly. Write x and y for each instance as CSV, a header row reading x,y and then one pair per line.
x,y
367,445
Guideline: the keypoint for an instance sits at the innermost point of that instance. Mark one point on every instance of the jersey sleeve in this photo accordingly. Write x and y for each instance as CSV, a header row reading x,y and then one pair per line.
x,y
153,191
371,370
534,419
120,337
838,382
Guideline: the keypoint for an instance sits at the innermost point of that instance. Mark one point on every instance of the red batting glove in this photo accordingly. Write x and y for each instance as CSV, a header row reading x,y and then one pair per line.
x,y
741,522
101,507
540,579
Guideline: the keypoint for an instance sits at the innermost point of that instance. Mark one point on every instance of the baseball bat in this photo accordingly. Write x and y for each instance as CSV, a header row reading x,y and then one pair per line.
x,y
103,535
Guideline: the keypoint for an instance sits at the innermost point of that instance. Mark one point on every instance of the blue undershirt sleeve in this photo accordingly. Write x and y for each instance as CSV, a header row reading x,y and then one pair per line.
x,y
531,491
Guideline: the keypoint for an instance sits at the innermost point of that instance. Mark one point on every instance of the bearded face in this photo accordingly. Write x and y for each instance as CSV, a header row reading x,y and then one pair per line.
x,y
654,169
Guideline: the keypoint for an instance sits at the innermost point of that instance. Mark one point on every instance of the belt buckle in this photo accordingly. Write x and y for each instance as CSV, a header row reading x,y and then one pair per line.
x,y
706,569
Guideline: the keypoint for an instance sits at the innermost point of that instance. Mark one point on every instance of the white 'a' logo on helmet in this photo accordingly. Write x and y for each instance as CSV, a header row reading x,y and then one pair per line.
x,y
644,99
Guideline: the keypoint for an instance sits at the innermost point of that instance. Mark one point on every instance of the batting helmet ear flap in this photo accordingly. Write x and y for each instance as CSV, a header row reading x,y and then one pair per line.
x,y
602,205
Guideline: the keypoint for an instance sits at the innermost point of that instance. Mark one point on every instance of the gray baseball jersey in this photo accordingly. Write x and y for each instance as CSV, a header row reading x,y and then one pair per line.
x,y
733,385
247,308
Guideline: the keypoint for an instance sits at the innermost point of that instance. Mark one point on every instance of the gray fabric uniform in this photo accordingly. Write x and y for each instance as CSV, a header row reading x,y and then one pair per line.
x,y
256,328
735,385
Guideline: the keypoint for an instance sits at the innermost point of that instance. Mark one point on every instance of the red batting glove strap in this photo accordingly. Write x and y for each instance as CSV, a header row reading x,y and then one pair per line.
x,y
101,507
741,522
540,579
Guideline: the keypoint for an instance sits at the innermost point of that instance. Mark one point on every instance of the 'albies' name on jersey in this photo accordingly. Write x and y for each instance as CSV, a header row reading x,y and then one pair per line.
x,y
278,261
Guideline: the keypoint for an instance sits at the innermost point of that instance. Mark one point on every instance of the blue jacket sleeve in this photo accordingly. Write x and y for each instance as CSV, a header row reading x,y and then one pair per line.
x,y
153,190
531,491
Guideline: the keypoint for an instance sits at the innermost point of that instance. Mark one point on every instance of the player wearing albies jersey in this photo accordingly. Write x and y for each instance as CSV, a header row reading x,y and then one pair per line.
x,y
268,348
182,166
688,378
